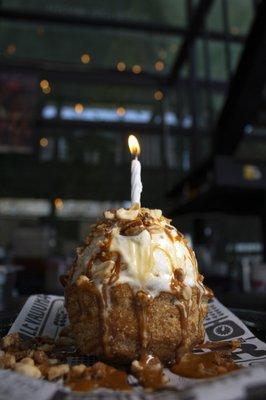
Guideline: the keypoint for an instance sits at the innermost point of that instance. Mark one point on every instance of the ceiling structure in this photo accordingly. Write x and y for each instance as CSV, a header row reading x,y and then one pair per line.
x,y
84,76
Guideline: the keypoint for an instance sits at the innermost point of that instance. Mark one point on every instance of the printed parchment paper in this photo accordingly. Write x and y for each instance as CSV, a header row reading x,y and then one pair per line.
x,y
46,315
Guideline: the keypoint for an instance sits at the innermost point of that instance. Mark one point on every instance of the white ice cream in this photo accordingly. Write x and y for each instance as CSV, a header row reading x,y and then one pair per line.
x,y
149,261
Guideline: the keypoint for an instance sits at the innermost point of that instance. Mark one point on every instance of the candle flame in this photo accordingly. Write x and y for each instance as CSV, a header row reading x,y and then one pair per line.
x,y
133,145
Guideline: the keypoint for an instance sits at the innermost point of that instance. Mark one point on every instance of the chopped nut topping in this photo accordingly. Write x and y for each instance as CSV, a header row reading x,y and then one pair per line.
x,y
109,215
40,356
27,360
156,213
27,369
57,371
130,214
82,279
77,370
12,339
187,292
7,361
149,371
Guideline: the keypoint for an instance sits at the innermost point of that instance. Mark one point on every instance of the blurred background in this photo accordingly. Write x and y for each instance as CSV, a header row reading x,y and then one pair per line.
x,y
188,78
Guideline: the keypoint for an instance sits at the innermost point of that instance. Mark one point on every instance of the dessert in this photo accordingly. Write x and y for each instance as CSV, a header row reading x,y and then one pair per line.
x,y
135,288
135,299
50,359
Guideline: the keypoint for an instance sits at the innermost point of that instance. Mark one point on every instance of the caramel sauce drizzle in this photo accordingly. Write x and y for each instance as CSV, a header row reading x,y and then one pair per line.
x,y
205,365
169,234
117,267
141,302
103,298
111,379
149,371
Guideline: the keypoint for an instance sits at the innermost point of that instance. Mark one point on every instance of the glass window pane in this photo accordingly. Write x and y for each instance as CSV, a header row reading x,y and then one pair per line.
x,y
215,17
217,103
24,207
203,110
185,70
204,148
200,61
236,51
183,107
135,51
241,14
217,61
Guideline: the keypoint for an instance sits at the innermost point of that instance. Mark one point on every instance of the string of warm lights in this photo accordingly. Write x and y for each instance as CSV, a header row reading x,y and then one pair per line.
x,y
136,69
58,203
158,95
120,111
85,58
45,86
44,142
159,65
79,108
121,66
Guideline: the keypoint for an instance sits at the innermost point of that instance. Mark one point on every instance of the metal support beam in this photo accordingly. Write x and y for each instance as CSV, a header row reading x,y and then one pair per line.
x,y
246,89
35,17
44,17
69,126
64,72
196,24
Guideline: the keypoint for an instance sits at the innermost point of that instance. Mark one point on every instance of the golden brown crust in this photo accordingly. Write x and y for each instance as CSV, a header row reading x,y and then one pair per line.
x,y
119,336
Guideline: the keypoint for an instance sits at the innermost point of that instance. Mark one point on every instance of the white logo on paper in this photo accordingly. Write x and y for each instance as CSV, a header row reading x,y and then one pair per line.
x,y
223,330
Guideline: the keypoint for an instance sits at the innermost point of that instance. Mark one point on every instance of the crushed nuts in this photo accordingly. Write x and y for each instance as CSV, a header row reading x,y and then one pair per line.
x,y
57,371
7,361
26,369
40,356
130,214
187,292
133,228
77,370
109,215
13,339
27,360
156,213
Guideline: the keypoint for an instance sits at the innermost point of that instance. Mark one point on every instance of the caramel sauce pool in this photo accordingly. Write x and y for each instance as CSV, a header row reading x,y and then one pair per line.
x,y
206,365
116,380
149,371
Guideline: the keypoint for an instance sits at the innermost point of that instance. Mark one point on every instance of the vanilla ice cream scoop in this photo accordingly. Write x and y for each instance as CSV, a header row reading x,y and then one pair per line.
x,y
134,262
141,248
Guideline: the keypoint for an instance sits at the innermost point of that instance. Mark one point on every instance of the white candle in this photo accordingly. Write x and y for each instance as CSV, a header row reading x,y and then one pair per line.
x,y
136,184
